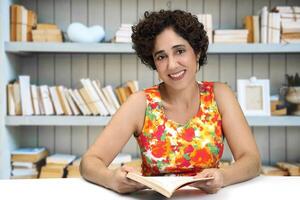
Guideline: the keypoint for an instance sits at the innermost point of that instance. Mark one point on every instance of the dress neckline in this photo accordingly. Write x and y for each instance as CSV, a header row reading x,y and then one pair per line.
x,y
165,117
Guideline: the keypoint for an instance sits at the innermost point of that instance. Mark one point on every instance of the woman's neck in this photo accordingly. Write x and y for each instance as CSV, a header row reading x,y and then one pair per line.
x,y
184,97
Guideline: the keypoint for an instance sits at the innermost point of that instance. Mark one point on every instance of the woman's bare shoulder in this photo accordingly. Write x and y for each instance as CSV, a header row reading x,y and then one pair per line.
x,y
224,96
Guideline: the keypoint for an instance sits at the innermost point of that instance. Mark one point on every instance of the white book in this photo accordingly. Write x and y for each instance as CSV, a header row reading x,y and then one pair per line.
x,y
109,106
62,98
206,20
82,102
109,94
77,102
276,28
256,29
124,33
45,97
35,99
264,25
41,104
17,98
71,103
25,95
57,106
231,32
23,172
10,100
94,97
123,39
60,159
23,164
99,102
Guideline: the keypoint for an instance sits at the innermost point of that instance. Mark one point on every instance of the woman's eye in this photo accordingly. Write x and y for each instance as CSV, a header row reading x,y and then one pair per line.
x,y
160,57
180,51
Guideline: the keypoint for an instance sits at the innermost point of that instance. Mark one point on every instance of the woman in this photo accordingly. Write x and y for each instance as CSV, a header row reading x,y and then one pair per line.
x,y
180,123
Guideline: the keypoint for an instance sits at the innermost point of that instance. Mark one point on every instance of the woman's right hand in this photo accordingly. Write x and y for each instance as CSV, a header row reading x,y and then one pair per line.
x,y
121,184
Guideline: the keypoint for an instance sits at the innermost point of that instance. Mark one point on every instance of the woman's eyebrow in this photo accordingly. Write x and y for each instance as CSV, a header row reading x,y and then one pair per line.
x,y
179,45
158,52
173,47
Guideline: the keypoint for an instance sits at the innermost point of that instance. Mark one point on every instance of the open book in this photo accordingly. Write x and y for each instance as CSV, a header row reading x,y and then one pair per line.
x,y
165,185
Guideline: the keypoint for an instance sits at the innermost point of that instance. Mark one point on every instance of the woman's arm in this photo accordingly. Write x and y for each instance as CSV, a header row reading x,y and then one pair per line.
x,y
127,120
239,138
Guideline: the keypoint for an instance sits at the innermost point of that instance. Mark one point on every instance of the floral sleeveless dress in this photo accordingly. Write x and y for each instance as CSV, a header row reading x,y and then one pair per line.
x,y
168,147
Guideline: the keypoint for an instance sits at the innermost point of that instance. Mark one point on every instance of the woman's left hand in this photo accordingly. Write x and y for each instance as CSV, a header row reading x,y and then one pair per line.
x,y
210,186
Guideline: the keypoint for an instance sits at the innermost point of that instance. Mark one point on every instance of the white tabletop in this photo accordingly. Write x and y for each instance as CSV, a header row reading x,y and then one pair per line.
x,y
262,187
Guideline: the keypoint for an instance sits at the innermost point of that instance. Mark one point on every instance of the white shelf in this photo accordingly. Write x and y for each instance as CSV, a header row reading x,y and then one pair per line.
x,y
67,47
56,120
22,48
102,121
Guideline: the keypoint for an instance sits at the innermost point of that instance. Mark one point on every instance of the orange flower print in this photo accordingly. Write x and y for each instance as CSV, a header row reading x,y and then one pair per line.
x,y
189,134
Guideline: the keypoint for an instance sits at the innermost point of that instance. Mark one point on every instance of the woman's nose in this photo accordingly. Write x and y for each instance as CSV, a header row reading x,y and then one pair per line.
x,y
172,63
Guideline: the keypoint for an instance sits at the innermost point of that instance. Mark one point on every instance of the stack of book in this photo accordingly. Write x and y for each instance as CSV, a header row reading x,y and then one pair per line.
x,y
91,99
251,23
26,162
270,26
290,23
124,33
293,169
22,21
206,20
73,169
56,166
46,33
231,36
273,171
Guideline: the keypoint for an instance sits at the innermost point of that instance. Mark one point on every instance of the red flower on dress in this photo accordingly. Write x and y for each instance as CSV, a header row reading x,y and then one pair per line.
x,y
159,132
201,155
182,162
159,149
153,105
189,134
189,149
143,140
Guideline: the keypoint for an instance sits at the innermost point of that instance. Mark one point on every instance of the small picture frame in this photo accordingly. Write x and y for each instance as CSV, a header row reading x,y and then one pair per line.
x,y
254,96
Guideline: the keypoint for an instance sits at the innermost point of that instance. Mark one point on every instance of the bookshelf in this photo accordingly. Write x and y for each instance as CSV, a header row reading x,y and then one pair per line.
x,y
64,64
102,121
23,48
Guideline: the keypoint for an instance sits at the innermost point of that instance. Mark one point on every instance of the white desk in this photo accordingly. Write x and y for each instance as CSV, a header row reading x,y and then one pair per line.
x,y
262,187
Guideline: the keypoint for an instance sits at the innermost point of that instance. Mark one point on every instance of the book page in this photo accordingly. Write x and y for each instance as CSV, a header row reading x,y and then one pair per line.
x,y
166,185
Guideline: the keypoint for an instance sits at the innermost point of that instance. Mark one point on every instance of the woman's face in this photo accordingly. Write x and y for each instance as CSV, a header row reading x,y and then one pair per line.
x,y
175,60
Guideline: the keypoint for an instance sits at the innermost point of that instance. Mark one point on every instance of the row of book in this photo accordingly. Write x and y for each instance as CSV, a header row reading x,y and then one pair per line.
x,y
28,163
35,163
282,169
92,99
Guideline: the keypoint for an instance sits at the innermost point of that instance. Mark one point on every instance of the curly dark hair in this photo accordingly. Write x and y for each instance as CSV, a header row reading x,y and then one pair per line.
x,y
183,23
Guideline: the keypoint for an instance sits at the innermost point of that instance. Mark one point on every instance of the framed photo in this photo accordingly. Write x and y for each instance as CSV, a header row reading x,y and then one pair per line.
x,y
254,96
